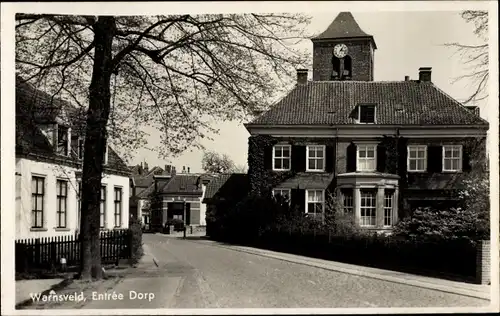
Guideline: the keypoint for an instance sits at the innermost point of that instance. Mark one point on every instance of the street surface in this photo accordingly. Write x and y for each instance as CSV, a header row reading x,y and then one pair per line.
x,y
199,274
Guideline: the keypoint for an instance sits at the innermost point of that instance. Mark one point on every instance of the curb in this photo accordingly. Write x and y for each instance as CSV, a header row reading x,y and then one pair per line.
x,y
56,287
394,279
147,253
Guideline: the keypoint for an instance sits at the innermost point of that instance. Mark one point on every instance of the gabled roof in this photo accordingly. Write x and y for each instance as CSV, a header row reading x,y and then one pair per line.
x,y
35,107
397,103
344,26
182,184
226,186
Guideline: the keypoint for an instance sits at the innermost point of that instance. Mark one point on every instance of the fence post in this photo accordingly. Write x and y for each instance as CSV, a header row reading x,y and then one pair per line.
x,y
37,251
483,258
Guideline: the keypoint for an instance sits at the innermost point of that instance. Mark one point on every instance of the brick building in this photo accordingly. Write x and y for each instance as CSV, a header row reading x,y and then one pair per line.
x,y
385,147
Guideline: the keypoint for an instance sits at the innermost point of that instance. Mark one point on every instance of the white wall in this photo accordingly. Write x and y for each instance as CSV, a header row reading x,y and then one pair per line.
x,y
112,181
26,168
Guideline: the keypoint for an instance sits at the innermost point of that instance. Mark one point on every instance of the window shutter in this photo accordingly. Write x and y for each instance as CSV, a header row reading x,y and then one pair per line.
x,y
466,158
381,158
434,158
329,158
268,157
299,158
351,158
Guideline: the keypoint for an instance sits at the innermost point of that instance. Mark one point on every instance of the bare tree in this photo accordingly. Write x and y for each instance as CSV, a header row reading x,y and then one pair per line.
x,y
475,56
169,72
214,162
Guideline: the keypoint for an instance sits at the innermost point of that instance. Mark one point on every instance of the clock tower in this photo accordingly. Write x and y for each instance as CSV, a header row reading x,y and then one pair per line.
x,y
343,51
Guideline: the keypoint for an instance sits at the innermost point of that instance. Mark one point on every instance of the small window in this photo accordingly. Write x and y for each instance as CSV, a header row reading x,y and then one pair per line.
x,y
37,201
62,140
367,157
417,158
118,207
388,208
102,216
452,158
348,201
315,202
79,199
283,194
315,158
367,114
62,200
368,208
282,157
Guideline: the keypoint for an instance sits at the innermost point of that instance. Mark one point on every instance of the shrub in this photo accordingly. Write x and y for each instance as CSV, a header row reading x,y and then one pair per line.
x,y
178,224
135,231
431,224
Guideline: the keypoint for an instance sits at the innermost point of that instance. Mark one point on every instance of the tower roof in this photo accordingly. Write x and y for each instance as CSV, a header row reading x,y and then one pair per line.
x,y
344,26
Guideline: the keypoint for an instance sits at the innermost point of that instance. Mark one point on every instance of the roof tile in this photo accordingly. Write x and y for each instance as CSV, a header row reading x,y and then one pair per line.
x,y
398,103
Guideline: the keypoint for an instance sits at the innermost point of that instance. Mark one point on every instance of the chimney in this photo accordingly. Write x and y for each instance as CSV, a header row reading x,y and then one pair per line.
x,y
302,76
183,169
168,169
407,78
146,168
474,109
188,169
173,172
424,74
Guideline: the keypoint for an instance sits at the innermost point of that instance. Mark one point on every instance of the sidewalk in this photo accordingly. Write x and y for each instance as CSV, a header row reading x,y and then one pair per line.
x,y
25,287
454,287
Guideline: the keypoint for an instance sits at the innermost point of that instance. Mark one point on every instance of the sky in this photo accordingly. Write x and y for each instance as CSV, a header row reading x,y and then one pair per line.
x,y
406,41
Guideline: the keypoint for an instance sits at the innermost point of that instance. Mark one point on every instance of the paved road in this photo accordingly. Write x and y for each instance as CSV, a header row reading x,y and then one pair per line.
x,y
201,275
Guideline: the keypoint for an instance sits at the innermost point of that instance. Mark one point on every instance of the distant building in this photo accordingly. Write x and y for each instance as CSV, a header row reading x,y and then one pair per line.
x,y
143,179
177,196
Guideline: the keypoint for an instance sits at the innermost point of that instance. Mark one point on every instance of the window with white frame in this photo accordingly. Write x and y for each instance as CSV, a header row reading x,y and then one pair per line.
x,y
62,202
102,216
388,207
348,201
417,158
315,158
37,201
315,202
368,207
452,158
282,193
118,207
282,157
367,157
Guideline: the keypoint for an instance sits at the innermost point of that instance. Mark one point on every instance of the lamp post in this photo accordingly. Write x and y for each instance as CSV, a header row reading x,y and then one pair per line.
x,y
184,216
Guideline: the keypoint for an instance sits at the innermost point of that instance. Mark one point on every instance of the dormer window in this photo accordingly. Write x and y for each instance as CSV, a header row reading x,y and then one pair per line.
x,y
366,114
62,140
77,145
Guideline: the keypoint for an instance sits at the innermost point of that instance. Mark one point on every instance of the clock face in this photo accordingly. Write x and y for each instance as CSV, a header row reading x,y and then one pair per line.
x,y
340,50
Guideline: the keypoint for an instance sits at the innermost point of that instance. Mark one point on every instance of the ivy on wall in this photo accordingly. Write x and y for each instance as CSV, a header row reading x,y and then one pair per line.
x,y
261,178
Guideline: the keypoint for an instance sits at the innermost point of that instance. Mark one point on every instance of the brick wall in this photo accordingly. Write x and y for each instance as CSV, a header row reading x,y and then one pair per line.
x,y
483,262
359,51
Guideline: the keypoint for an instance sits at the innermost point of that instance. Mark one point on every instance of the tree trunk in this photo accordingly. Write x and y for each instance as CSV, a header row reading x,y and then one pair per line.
x,y
95,144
